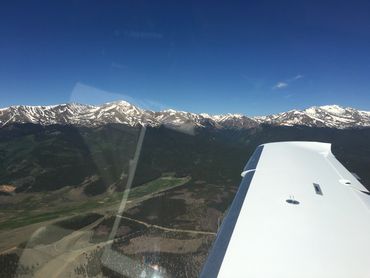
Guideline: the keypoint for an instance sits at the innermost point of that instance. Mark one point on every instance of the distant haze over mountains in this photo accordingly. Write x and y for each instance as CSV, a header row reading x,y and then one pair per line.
x,y
122,112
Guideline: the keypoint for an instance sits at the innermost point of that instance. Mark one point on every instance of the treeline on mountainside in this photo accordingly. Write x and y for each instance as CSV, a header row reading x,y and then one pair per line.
x,y
41,158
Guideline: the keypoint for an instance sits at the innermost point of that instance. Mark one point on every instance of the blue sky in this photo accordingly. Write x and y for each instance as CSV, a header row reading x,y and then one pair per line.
x,y
250,57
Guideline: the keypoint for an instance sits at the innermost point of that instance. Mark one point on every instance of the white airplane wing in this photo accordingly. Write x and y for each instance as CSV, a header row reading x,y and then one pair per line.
x,y
298,213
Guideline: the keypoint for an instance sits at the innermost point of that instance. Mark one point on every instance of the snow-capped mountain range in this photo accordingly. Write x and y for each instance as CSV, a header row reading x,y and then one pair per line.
x,y
333,116
125,113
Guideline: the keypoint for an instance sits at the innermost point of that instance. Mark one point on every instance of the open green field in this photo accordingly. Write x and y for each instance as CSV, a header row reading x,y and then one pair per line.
x,y
160,184
34,210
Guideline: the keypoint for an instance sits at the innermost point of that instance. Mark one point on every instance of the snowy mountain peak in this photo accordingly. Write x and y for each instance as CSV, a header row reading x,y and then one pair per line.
x,y
170,111
333,109
117,104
